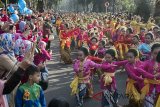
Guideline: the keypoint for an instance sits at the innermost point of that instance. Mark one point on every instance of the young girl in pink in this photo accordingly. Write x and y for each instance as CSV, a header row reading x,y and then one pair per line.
x,y
108,82
82,81
43,54
40,59
93,46
101,49
135,78
152,86
135,42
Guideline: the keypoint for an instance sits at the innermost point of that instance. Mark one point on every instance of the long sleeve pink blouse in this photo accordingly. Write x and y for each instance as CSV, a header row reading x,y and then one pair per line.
x,y
109,68
85,71
148,66
136,73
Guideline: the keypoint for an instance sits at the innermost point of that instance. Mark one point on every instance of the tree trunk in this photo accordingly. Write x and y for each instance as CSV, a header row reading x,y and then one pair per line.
x,y
40,6
99,6
157,8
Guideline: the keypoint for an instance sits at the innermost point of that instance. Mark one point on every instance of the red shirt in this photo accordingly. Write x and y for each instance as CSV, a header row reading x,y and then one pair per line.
x,y
95,59
142,37
128,39
94,47
121,38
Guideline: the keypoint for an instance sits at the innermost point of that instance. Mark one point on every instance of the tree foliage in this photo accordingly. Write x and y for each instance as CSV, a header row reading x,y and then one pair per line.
x,y
143,9
85,2
10,1
50,3
157,8
137,6
128,5
47,4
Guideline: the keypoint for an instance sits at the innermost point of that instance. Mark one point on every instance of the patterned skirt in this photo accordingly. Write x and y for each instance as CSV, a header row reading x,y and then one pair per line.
x,y
109,98
65,55
149,100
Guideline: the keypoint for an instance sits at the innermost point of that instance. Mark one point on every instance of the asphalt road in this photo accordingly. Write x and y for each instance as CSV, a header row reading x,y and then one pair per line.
x,y
61,75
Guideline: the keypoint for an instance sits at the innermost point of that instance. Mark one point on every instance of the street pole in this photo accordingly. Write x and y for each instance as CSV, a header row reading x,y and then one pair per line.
x,y
113,6
106,9
106,5
6,6
85,6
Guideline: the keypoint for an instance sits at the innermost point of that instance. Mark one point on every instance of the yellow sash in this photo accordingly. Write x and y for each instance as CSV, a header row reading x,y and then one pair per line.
x,y
120,47
131,91
158,102
145,89
108,78
63,42
79,43
74,86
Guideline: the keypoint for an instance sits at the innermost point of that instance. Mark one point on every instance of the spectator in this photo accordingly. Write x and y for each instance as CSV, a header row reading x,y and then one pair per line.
x,y
30,94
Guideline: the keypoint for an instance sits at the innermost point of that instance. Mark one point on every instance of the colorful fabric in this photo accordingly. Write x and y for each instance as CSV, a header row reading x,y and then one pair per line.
x,y
131,91
144,48
86,65
150,99
109,98
22,26
101,52
65,55
41,57
108,69
74,86
145,90
122,48
6,42
134,72
19,47
151,67
158,102
81,93
108,78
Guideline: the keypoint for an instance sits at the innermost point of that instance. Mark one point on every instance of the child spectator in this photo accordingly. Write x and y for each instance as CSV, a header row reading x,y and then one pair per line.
x,y
30,94
43,55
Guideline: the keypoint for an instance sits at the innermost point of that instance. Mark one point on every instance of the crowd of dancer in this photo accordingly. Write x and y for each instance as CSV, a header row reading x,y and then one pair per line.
x,y
107,43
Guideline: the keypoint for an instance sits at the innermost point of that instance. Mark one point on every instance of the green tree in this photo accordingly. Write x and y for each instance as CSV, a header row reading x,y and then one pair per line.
x,y
128,5
157,12
143,9
50,3
157,8
46,4
40,5
98,4
83,2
